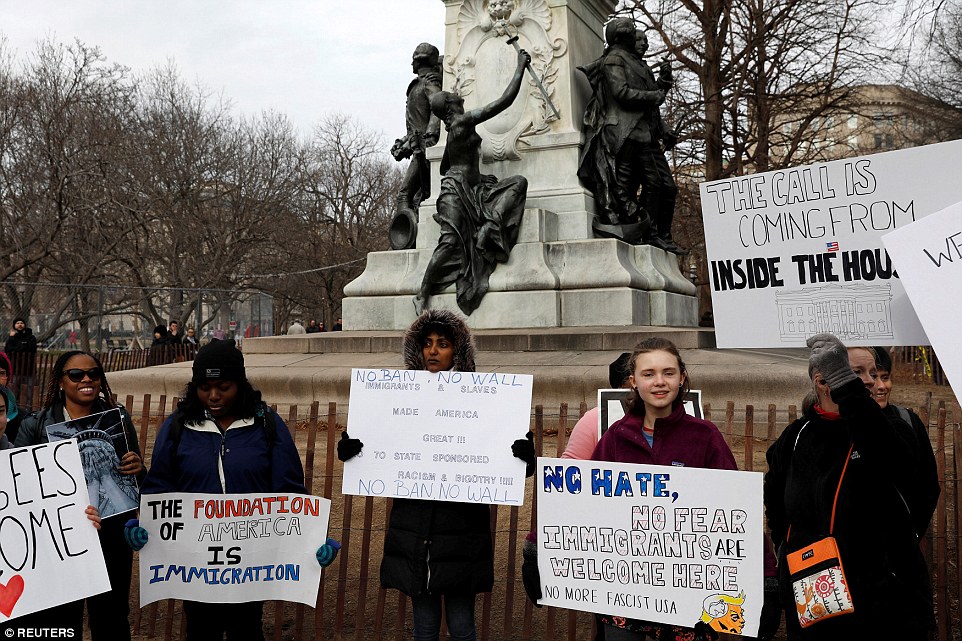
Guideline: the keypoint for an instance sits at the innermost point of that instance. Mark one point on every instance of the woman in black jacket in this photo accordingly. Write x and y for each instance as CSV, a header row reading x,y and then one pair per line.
x,y
846,458
78,388
439,552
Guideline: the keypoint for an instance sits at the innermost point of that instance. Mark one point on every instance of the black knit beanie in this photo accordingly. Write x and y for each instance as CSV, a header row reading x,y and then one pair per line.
x,y
219,360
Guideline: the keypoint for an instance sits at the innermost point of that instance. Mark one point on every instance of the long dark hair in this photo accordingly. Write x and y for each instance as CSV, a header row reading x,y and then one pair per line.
x,y
55,396
654,344
247,405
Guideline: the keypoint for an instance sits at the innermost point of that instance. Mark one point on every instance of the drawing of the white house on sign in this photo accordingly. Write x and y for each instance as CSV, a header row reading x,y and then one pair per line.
x,y
853,310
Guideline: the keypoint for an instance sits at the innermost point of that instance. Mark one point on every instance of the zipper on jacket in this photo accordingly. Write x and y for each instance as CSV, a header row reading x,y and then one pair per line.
x,y
220,461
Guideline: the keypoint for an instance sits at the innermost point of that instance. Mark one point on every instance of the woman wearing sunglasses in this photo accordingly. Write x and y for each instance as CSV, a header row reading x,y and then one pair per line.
x,y
78,388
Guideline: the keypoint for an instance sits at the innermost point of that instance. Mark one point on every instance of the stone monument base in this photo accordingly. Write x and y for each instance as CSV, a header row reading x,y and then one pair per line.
x,y
546,282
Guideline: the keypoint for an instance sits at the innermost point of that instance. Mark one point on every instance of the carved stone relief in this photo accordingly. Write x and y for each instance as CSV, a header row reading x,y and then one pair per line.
x,y
484,61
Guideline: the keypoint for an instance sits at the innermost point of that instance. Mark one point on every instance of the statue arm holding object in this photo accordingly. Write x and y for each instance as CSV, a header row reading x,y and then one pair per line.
x,y
510,93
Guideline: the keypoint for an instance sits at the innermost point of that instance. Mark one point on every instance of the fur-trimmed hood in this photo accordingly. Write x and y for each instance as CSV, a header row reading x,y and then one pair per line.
x,y
453,326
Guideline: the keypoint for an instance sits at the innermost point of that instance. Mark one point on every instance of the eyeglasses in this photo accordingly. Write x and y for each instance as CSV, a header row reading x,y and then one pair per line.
x,y
77,374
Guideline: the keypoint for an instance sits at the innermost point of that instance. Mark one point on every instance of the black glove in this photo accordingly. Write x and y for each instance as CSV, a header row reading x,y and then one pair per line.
x,y
347,447
530,576
523,449
704,632
830,359
771,616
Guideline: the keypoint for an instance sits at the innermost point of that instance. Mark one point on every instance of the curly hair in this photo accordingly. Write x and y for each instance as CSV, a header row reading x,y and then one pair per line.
x,y
55,395
247,404
654,344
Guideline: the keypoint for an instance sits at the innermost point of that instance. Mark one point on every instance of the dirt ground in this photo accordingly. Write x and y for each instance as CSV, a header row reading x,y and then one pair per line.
x,y
352,601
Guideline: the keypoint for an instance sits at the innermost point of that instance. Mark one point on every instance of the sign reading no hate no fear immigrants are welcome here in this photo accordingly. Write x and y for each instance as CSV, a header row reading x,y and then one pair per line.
x,y
668,544
442,436
796,252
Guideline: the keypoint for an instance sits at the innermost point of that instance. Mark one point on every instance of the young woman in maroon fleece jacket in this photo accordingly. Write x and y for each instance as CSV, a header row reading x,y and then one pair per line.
x,y
657,431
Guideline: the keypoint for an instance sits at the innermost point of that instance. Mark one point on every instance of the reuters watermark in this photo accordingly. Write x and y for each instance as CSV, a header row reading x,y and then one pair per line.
x,y
40,633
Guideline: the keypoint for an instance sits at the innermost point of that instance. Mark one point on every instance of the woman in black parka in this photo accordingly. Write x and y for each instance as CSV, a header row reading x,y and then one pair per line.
x,y
438,551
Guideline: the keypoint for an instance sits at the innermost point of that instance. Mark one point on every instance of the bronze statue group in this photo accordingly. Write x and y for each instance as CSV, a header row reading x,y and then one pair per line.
x,y
622,163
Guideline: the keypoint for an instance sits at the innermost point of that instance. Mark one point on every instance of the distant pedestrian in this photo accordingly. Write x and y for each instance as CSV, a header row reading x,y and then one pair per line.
x,y
312,327
296,328
175,336
21,347
338,326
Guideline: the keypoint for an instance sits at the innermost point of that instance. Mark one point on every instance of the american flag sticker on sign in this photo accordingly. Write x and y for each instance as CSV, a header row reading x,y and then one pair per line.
x,y
832,246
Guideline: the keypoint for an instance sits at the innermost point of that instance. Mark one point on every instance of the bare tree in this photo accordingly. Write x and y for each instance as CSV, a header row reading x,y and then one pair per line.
x,y
345,204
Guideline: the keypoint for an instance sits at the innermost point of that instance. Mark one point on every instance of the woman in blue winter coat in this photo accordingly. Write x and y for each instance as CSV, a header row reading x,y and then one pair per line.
x,y
224,439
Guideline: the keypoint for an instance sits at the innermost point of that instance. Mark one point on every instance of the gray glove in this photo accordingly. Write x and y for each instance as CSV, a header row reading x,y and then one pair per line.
x,y
830,359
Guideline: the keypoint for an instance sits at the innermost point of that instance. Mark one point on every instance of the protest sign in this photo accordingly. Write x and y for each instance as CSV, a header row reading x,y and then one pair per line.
x,y
613,403
672,545
439,436
49,551
796,252
928,256
103,442
232,548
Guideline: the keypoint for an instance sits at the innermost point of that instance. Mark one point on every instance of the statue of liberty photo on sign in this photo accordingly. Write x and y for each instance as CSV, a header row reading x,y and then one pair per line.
x,y
102,443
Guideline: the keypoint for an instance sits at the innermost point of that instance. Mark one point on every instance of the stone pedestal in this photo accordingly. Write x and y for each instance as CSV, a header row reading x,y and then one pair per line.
x,y
547,282
558,275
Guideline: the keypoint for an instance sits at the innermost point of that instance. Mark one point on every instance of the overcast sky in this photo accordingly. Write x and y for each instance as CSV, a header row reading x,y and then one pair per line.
x,y
304,58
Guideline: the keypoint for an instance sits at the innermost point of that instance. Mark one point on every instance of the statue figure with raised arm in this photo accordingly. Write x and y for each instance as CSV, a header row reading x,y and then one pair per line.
x,y
480,216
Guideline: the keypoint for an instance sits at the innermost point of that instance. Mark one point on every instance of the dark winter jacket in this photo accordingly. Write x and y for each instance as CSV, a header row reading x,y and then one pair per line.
x,y
22,350
876,536
33,429
240,459
438,547
923,502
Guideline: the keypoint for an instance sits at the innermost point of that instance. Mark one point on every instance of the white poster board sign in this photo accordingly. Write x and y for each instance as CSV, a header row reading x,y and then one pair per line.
x,y
440,436
796,252
928,256
649,542
232,548
50,551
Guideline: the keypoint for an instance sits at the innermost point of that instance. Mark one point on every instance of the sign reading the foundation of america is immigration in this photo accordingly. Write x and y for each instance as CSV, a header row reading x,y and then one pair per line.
x,y
232,548
796,252
444,436
673,545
